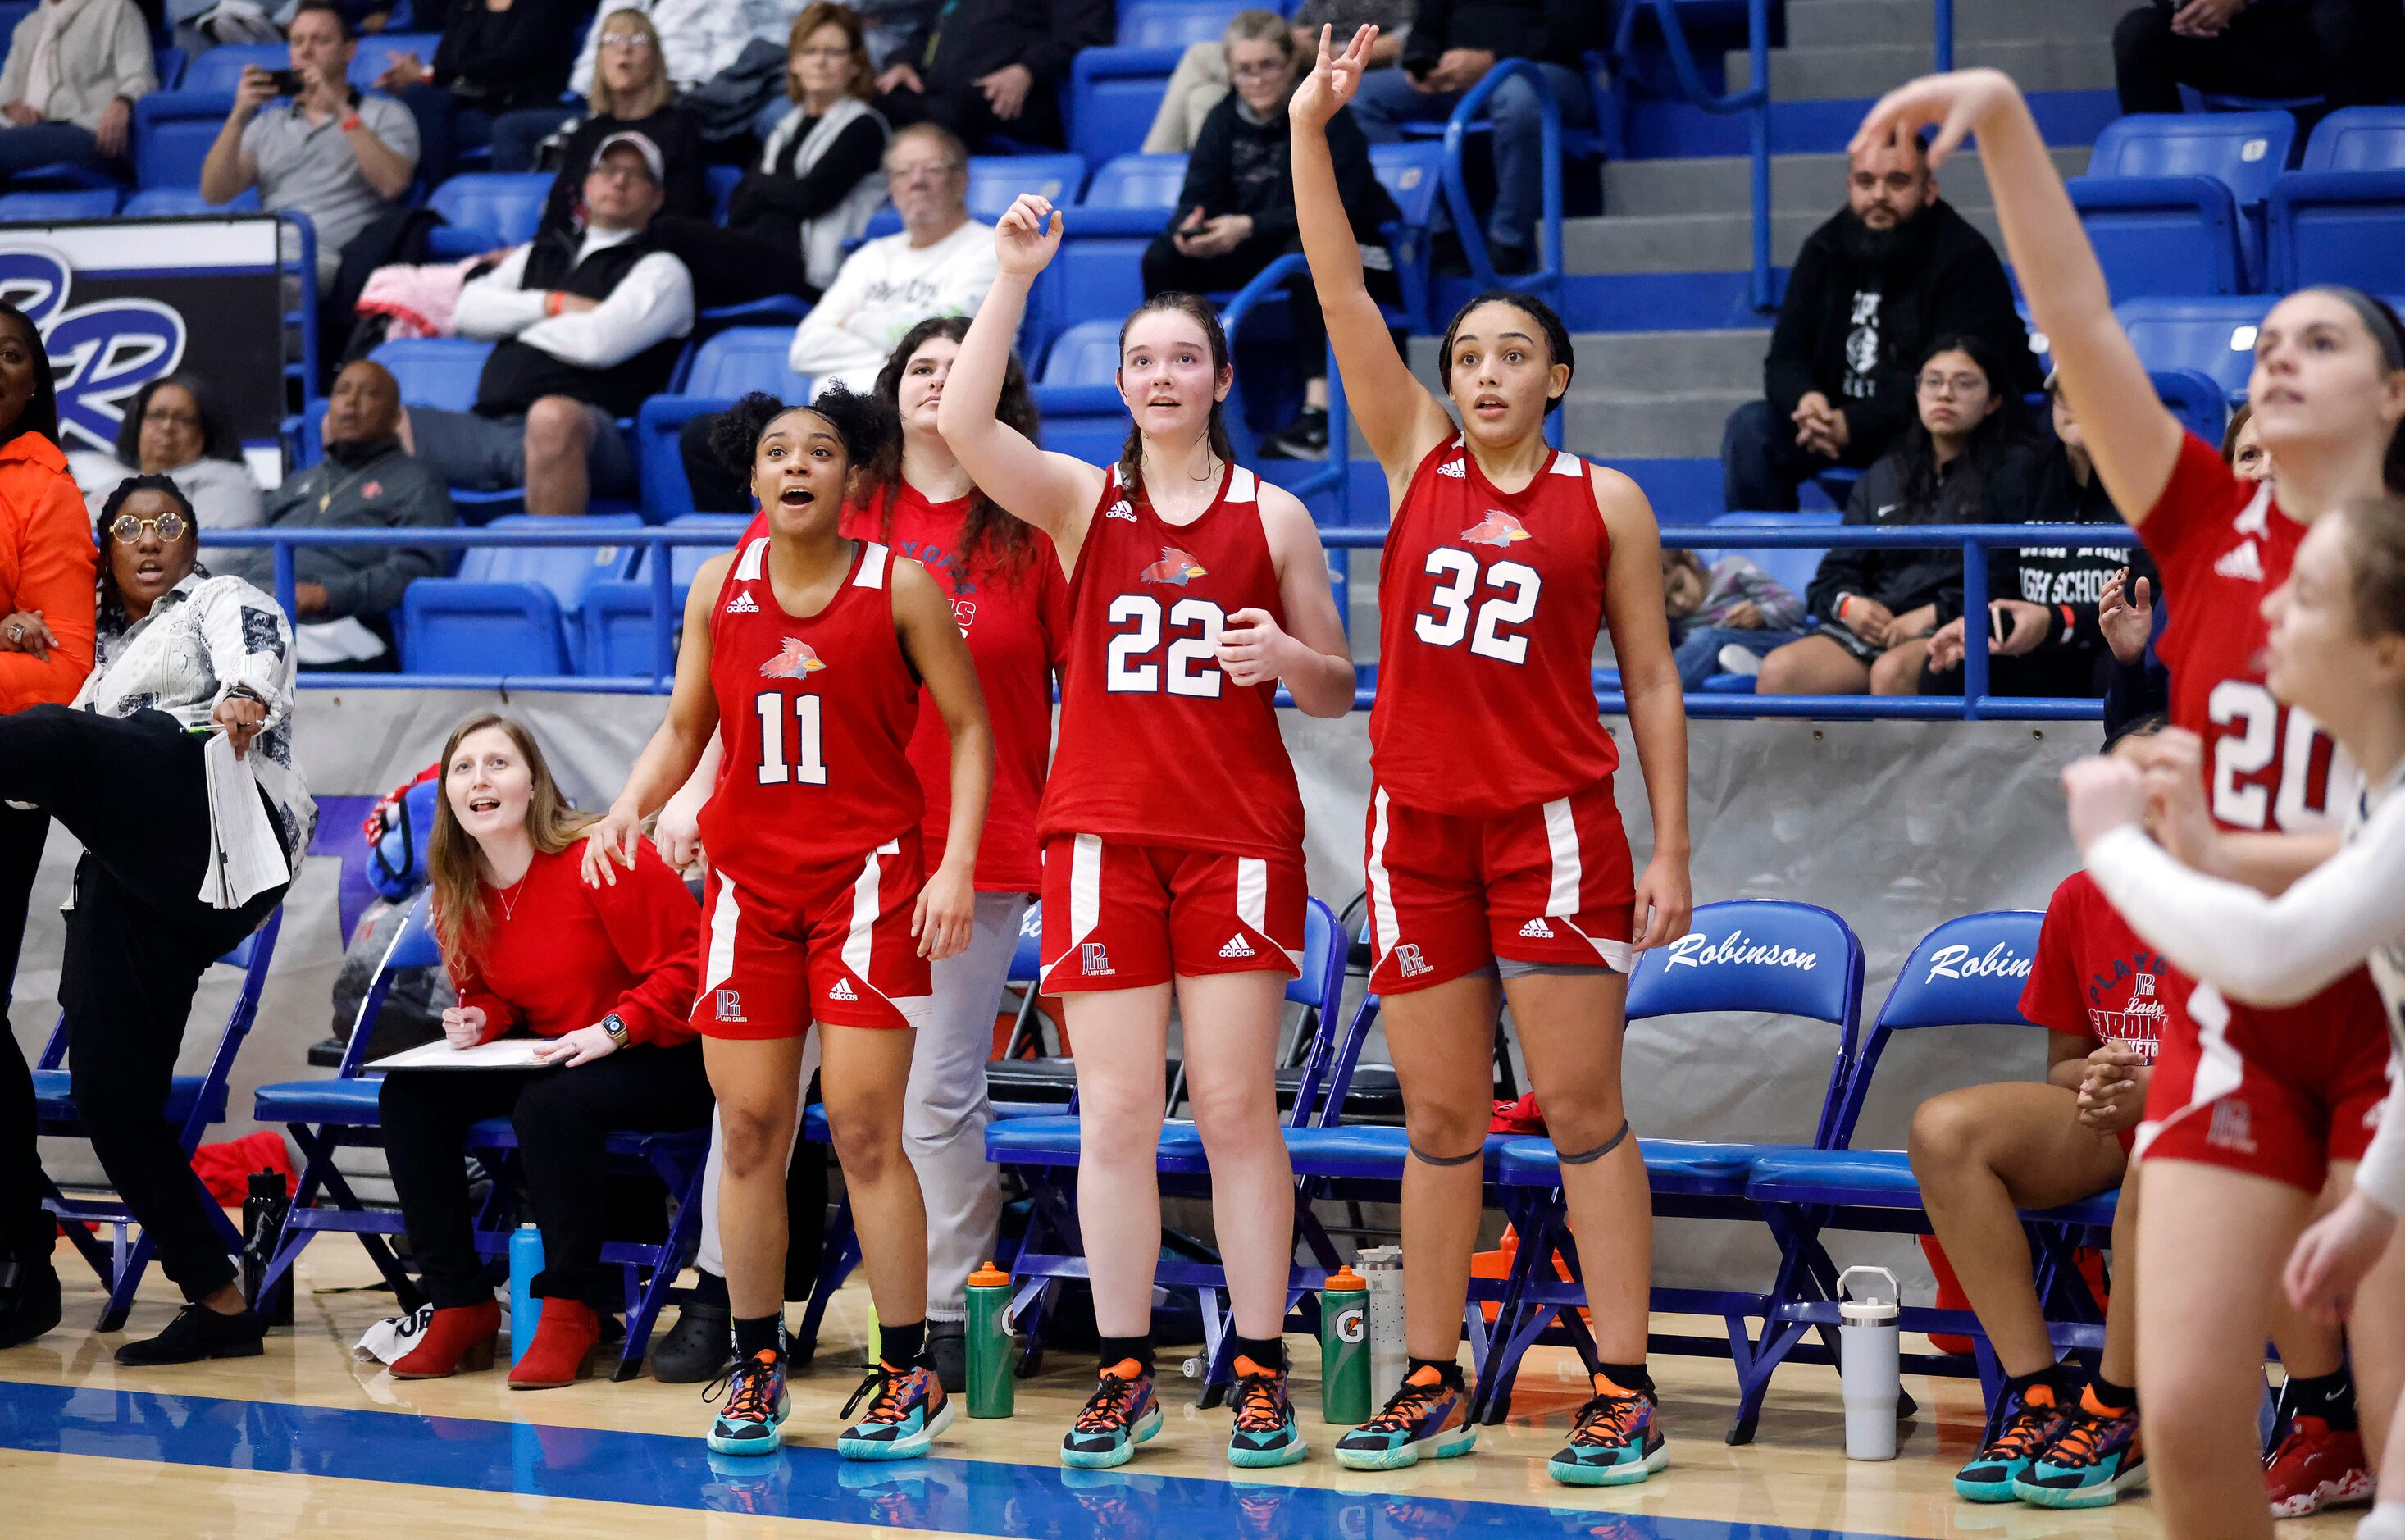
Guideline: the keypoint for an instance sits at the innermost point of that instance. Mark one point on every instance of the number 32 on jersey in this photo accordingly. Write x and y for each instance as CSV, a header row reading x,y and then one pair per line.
x,y
1509,591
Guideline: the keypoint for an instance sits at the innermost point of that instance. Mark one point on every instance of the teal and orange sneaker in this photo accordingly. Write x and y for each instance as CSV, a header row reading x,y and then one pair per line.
x,y
1427,1415
1616,1440
907,1409
756,1404
2096,1458
1265,1433
1123,1411
2024,1424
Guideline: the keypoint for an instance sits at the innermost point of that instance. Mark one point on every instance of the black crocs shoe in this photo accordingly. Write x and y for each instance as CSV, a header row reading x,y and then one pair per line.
x,y
700,1348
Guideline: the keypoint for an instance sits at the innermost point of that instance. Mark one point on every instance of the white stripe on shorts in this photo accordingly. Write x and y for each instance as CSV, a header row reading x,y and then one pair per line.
x,y
1561,837
2219,1070
859,943
1253,900
724,915
1085,895
1383,928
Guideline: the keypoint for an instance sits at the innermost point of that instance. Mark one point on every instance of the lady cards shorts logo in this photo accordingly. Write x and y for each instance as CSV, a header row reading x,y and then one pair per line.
x,y
1697,950
1998,962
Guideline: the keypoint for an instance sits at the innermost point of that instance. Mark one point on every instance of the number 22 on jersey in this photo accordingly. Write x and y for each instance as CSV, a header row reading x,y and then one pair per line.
x,y
1190,666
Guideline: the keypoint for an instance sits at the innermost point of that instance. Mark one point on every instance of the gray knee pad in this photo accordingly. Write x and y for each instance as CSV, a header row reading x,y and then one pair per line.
x,y
1588,1157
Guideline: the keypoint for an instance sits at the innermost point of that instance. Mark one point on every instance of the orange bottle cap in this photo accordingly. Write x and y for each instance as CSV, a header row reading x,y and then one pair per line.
x,y
1345,1278
989,1277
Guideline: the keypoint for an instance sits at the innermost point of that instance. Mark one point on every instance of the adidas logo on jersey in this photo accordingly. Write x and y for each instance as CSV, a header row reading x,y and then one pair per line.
x,y
1451,468
842,991
1236,947
1121,510
743,603
2242,562
1537,930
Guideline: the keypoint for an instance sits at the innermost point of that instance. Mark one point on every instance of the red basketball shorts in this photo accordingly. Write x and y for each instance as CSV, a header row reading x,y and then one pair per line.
x,y
1124,916
834,946
2277,1092
1548,883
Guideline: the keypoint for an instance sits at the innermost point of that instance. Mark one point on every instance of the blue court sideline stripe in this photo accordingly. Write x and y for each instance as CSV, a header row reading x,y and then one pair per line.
x,y
968,1496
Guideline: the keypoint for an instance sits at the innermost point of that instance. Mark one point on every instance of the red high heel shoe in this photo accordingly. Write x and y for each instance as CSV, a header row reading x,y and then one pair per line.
x,y
564,1340
458,1337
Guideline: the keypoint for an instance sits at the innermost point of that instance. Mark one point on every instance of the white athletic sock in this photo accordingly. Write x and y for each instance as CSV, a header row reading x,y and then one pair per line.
x,y
2384,1522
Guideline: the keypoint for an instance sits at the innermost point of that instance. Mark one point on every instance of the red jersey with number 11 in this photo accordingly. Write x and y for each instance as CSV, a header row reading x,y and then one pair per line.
x,y
1157,745
814,720
1489,603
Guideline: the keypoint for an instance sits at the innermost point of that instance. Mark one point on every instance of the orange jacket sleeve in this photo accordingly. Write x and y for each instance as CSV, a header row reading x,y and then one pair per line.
x,y
56,567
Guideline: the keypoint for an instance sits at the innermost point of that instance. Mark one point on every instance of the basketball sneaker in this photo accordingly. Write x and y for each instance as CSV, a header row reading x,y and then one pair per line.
x,y
1122,1412
907,1409
2313,1467
1427,1414
2022,1427
1614,1442
753,1417
1265,1433
2094,1460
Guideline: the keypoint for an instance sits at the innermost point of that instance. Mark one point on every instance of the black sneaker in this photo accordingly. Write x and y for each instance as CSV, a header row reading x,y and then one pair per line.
x,y
195,1333
1305,438
29,1300
700,1349
947,1350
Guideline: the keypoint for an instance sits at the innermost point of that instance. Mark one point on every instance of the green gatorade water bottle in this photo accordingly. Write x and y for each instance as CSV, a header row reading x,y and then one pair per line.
x,y
1345,1348
992,1381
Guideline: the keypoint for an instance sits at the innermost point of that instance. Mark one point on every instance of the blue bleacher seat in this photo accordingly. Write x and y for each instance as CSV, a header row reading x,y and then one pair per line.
x,y
2173,202
2369,139
618,613
169,63
728,364
721,181
1078,394
1171,23
2199,403
160,201
1414,177
378,50
218,70
2341,216
1086,354
97,202
450,627
1148,182
435,371
168,150
564,570
486,210
1113,96
2213,336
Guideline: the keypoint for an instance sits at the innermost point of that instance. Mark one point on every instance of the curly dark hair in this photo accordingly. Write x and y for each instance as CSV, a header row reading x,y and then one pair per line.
x,y
860,423
988,534
112,618
1557,336
217,440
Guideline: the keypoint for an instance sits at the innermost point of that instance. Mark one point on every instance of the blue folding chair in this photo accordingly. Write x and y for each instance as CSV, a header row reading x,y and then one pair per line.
x,y
1748,955
486,210
95,203
2173,202
2339,218
2213,337
724,366
194,1102
1967,971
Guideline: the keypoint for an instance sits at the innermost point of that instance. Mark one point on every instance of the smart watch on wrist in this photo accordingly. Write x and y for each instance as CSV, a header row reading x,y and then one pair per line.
x,y
616,1028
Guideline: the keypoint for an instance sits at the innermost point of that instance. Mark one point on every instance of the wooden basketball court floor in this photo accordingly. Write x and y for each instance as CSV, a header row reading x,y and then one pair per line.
x,y
310,1440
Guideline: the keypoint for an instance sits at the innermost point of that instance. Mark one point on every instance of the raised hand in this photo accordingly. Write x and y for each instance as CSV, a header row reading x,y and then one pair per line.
x,y
1958,104
1027,235
2125,613
1334,77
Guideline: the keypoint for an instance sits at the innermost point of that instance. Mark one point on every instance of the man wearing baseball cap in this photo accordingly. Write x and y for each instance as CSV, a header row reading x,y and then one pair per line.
x,y
588,324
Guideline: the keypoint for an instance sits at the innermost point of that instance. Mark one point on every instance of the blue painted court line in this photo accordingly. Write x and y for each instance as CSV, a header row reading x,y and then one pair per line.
x,y
967,1496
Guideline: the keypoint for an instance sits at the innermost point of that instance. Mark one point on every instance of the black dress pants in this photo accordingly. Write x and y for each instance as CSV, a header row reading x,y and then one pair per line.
x,y
562,1116
2350,52
25,1230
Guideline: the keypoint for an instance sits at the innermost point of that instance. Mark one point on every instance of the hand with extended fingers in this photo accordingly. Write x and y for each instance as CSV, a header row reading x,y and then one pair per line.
x,y
1333,79
1027,235
1959,105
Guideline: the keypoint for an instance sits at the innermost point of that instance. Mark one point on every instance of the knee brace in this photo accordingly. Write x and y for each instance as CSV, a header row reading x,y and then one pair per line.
x,y
1588,1157
1425,1159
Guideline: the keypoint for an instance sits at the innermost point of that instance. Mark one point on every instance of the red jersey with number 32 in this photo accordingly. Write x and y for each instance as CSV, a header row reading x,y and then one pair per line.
x,y
1157,745
1489,603
2224,545
814,721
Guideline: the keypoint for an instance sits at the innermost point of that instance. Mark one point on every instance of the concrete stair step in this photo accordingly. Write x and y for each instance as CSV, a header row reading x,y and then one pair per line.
x,y
1799,184
1681,424
1645,395
1818,73
1701,242
1841,23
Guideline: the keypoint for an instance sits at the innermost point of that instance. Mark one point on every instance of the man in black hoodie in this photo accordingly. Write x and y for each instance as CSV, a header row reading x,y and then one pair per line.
x,y
982,67
1867,294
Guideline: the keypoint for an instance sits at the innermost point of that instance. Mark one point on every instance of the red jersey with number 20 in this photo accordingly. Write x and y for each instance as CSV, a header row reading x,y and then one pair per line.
x,y
1489,604
1157,745
2223,545
814,720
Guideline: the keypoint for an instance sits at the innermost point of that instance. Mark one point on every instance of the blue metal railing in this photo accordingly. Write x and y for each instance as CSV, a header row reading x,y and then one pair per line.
x,y
1545,280
1974,541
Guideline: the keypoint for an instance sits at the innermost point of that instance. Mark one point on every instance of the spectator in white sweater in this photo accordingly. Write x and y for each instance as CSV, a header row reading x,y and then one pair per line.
x,y
75,69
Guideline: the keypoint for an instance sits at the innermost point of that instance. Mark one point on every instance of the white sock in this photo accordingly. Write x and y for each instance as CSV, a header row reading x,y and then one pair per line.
x,y
2384,1522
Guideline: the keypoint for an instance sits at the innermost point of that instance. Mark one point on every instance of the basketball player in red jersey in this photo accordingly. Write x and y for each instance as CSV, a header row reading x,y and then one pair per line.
x,y
2251,1111
1012,603
1496,853
807,649
1172,823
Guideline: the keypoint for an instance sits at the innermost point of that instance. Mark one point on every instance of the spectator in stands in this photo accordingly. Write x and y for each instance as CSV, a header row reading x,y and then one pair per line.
x,y
182,656
1870,290
338,156
1878,607
604,974
46,645
1452,44
75,69
494,58
1200,81
1235,214
989,68
1723,618
174,427
819,176
2347,53
590,326
630,90
343,595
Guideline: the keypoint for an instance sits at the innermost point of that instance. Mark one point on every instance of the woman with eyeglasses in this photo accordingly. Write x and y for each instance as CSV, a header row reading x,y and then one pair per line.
x,y
46,625
175,427
631,91
817,181
182,657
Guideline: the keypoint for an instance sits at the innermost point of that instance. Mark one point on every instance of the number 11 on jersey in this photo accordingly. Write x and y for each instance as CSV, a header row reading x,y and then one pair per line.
x,y
808,767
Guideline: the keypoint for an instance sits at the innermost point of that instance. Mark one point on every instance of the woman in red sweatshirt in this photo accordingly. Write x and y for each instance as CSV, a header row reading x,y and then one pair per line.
x,y
606,973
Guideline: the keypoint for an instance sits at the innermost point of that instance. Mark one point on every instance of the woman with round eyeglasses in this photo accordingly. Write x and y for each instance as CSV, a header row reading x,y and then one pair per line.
x,y
176,427
183,656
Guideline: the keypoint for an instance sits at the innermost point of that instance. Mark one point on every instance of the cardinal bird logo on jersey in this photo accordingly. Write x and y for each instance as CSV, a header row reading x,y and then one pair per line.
x,y
1174,568
795,660
1496,528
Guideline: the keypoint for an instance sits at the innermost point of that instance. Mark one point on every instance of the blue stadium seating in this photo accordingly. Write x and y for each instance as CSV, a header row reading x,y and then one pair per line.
x,y
378,51
618,613
168,148
2341,218
2174,202
1148,182
486,210
485,628
2214,337
1414,177
95,203
2199,403
727,365
218,71
1112,98
721,180
435,371
1086,353
1171,23
1099,270
147,203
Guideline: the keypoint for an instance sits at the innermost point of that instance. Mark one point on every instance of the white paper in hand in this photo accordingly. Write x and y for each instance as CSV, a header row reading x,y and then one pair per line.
x,y
246,856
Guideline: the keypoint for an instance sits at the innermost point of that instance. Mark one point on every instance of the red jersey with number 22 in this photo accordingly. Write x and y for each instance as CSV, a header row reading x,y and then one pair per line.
x,y
2223,545
1489,604
1157,745
815,719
